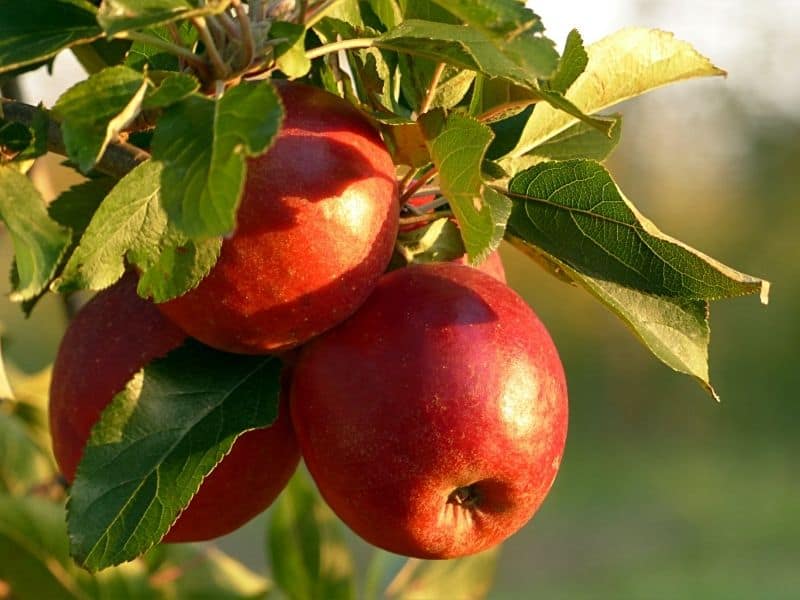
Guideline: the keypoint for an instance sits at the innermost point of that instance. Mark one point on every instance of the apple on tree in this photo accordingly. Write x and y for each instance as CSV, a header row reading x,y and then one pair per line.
x,y
113,336
315,230
434,419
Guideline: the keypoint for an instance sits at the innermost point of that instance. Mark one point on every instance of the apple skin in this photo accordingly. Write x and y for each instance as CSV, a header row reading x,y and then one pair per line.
x,y
315,230
433,421
113,336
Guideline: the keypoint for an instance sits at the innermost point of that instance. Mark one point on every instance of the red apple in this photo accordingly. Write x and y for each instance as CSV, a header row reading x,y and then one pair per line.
x,y
111,338
434,419
315,230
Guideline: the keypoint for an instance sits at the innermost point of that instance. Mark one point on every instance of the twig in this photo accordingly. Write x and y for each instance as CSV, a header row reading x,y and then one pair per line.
x,y
411,189
217,65
247,33
437,75
340,45
118,160
156,41
425,218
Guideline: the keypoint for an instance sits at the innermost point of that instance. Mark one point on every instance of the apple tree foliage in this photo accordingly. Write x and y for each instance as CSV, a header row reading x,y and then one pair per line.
x,y
477,107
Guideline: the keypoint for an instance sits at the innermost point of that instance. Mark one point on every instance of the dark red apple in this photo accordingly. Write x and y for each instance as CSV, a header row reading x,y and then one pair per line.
x,y
434,419
113,336
315,230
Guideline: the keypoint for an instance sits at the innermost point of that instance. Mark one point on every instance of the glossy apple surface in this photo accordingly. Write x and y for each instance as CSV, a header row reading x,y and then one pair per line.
x,y
113,336
434,419
315,230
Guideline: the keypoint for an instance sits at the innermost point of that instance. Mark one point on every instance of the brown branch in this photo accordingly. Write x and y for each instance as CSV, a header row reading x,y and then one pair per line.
x,y
118,160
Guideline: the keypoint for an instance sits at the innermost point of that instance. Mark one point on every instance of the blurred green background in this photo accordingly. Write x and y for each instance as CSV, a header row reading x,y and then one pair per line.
x,y
663,493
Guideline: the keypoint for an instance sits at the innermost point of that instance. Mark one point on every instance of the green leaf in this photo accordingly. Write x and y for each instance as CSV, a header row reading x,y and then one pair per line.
x,y
574,211
39,242
579,141
457,147
36,31
573,62
193,572
33,550
309,556
116,16
621,66
94,111
470,49
23,464
467,578
132,224
437,241
505,18
675,330
156,441
34,558
173,88
290,55
204,145
75,207
102,53
559,102
21,144
143,55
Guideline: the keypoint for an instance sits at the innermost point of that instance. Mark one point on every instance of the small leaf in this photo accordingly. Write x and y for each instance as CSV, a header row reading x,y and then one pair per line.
x,y
204,145
39,30
621,66
290,55
574,211
467,578
457,147
39,242
675,330
309,556
173,88
437,241
573,62
116,16
94,111
156,441
192,572
131,224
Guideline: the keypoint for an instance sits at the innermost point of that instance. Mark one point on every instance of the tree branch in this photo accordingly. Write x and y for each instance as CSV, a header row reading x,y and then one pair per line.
x,y
118,160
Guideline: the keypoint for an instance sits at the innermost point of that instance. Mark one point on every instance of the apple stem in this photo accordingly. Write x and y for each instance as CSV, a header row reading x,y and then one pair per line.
x,y
247,33
152,40
416,185
218,67
466,496
437,75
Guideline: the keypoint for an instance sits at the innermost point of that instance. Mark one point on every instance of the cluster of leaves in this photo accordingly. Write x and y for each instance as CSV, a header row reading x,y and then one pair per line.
x,y
474,102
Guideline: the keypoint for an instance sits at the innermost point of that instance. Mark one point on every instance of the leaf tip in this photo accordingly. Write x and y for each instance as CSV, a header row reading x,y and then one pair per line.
x,y
764,295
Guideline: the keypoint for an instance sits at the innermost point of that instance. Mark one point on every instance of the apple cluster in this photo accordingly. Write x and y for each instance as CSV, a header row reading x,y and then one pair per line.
x,y
429,403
